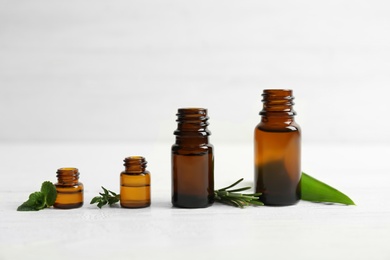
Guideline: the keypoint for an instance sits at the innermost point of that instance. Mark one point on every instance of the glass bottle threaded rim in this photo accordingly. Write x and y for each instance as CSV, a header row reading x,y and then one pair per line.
x,y
277,102
192,122
68,176
135,164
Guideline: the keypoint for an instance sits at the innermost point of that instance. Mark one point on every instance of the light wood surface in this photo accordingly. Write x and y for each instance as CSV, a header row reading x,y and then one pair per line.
x,y
304,231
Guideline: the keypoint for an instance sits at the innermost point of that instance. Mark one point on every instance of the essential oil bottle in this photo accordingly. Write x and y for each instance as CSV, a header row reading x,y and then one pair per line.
x,y
70,192
135,183
192,160
278,150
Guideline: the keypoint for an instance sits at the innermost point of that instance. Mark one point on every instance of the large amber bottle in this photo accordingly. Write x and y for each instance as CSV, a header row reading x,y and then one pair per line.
x,y
278,150
192,160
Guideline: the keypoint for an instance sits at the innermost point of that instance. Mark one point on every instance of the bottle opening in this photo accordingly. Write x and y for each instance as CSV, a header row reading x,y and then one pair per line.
x,y
193,112
192,109
137,157
278,93
68,170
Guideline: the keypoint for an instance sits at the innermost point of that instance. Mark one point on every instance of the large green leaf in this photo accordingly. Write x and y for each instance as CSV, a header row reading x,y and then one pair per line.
x,y
317,191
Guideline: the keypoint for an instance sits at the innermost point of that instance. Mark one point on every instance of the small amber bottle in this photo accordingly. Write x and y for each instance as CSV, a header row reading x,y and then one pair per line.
x,y
135,183
278,150
70,192
192,160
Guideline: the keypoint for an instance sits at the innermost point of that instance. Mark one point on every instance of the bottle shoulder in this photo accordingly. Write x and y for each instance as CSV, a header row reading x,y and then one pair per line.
x,y
192,150
144,173
73,184
192,146
66,186
280,127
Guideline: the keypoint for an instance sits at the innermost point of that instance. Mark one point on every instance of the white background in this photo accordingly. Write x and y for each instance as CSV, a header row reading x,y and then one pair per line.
x,y
87,83
118,71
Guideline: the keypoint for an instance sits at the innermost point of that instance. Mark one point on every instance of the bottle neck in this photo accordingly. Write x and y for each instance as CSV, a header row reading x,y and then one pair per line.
x,y
135,164
68,176
192,122
277,106
194,141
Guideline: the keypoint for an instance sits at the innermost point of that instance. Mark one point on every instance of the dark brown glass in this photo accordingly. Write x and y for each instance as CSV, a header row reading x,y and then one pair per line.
x,y
192,160
278,150
70,192
135,183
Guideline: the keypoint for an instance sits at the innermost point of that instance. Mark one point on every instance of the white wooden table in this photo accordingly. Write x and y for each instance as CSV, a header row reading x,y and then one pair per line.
x,y
304,231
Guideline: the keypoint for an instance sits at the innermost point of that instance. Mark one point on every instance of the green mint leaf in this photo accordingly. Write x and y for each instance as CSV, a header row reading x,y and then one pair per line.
x,y
36,201
95,199
26,207
38,198
113,200
108,196
113,193
317,191
49,191
105,191
101,204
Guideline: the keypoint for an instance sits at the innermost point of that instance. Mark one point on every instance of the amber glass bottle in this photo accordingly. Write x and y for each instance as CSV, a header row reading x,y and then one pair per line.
x,y
278,150
70,192
135,183
192,160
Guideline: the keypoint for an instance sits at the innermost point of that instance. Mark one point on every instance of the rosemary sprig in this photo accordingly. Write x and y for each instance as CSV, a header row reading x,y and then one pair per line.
x,y
108,196
233,198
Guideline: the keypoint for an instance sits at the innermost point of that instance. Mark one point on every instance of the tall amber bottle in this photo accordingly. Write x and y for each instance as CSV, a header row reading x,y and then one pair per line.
x,y
192,160
135,183
70,192
278,150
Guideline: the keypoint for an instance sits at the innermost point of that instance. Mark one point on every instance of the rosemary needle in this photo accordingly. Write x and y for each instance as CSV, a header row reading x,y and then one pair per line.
x,y
233,198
